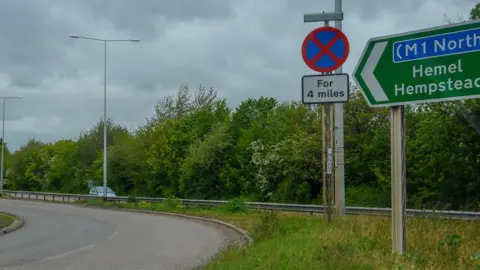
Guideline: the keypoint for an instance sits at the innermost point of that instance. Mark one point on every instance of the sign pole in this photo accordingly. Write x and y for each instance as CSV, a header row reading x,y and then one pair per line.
x,y
329,147
398,167
324,162
339,141
331,191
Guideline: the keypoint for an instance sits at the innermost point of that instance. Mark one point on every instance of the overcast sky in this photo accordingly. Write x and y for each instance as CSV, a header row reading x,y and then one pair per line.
x,y
242,48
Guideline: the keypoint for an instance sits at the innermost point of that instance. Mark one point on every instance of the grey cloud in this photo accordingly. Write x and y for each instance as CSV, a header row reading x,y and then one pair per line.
x,y
141,18
371,10
30,39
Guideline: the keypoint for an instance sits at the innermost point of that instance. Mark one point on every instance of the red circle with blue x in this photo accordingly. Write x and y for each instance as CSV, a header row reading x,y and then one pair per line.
x,y
325,49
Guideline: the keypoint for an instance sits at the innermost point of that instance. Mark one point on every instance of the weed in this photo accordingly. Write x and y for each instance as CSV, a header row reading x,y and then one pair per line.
x,y
173,202
415,257
236,205
451,242
269,226
337,256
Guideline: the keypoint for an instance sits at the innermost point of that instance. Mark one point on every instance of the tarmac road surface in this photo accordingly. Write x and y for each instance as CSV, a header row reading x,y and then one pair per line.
x,y
58,236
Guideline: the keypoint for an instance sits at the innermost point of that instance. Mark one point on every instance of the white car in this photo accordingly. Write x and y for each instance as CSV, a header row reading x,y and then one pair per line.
x,y
98,191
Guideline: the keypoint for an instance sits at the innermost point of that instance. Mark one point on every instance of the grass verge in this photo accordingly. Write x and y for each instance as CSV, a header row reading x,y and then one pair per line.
x,y
298,241
6,220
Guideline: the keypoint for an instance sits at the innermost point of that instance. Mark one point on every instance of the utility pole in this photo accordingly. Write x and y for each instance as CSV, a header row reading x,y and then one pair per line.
x,y
324,151
339,140
3,140
328,176
324,162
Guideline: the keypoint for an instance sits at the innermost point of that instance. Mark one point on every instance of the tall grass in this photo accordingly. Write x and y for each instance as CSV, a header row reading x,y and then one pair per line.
x,y
357,242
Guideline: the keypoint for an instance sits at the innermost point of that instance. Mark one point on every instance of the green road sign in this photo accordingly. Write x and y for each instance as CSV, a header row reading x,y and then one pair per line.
x,y
430,65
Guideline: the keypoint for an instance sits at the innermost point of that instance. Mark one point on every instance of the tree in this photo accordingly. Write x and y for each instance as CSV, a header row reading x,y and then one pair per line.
x,y
201,170
26,171
475,12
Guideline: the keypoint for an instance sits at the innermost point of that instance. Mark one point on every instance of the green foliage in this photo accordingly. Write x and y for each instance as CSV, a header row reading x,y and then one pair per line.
x,y
236,205
336,253
416,258
475,12
269,226
450,246
451,242
367,196
173,202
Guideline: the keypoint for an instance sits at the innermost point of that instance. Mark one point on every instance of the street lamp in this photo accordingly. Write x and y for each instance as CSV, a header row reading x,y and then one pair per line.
x,y
3,139
105,41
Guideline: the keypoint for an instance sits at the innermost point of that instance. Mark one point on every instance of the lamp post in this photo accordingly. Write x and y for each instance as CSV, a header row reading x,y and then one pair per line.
x,y
105,41
3,139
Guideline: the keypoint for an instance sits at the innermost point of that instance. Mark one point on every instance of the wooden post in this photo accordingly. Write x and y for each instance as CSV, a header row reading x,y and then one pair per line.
x,y
328,131
399,190
324,162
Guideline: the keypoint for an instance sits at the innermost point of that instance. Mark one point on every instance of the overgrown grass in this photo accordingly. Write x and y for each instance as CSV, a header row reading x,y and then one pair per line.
x,y
356,243
6,220
298,241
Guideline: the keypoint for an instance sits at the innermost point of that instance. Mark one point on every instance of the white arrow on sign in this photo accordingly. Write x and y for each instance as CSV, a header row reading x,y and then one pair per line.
x,y
367,72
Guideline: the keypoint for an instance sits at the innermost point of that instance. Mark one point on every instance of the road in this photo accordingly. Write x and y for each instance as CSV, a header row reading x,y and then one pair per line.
x,y
58,236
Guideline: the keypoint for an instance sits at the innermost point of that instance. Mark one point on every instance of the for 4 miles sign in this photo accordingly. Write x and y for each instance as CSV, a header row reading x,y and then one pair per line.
x,y
330,88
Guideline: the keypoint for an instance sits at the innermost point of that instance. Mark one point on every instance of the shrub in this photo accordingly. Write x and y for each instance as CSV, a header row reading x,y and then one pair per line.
x,y
269,226
236,205
173,202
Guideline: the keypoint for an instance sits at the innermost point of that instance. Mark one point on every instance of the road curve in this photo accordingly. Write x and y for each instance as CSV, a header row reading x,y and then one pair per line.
x,y
58,236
